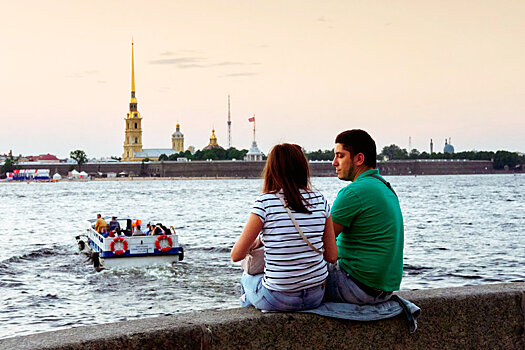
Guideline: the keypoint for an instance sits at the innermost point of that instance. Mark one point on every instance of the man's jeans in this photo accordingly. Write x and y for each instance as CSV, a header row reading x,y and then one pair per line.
x,y
254,293
341,289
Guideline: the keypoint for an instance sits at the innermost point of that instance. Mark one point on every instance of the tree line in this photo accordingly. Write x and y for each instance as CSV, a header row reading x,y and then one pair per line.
x,y
393,152
213,154
500,159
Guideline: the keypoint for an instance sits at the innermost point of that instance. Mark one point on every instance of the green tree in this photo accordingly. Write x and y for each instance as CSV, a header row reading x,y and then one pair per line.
x,y
234,153
163,157
414,154
79,156
502,158
9,165
320,155
394,152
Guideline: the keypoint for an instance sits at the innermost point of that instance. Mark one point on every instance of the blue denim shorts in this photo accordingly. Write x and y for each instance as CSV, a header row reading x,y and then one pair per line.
x,y
341,289
253,293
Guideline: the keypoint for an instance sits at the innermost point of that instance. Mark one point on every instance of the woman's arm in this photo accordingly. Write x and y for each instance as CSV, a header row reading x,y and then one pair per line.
x,y
247,238
329,243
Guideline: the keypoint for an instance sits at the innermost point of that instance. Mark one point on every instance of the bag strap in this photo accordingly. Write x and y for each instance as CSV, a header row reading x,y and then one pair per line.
x,y
383,181
297,225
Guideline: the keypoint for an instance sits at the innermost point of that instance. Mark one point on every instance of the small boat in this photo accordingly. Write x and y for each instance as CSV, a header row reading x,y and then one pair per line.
x,y
121,249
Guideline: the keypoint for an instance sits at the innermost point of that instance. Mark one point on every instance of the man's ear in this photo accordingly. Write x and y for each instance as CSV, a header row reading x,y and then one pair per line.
x,y
359,159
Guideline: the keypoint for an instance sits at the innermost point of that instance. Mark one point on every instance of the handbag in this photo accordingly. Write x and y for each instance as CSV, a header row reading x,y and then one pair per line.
x,y
253,263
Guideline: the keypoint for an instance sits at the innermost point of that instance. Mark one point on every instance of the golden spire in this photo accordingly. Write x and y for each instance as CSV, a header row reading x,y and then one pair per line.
x,y
133,100
132,71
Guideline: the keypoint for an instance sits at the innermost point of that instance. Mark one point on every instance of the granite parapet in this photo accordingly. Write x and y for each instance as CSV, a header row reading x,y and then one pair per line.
x,y
474,317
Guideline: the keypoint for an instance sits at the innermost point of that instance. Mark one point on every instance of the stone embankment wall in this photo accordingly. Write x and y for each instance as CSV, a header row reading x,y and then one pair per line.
x,y
241,169
475,317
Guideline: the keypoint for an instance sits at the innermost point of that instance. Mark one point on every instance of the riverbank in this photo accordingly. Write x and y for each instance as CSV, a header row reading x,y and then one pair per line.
x,y
475,317
243,170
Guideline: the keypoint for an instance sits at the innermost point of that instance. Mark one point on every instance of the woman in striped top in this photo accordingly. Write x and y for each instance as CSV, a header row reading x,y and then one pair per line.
x,y
294,273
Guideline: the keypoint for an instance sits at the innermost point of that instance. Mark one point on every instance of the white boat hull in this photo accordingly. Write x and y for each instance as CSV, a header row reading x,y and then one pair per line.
x,y
129,251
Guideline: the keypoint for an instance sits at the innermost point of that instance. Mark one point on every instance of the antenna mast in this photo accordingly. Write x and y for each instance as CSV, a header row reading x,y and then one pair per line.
x,y
229,125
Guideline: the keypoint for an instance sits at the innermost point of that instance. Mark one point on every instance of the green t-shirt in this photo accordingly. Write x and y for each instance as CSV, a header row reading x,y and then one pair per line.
x,y
370,248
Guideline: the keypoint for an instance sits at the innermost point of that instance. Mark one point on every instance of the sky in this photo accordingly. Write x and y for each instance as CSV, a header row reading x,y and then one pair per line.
x,y
306,69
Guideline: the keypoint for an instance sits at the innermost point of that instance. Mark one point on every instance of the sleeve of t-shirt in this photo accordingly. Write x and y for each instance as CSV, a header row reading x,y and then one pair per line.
x,y
259,209
346,206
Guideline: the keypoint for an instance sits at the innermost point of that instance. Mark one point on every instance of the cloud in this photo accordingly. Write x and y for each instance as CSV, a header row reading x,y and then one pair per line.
x,y
177,61
196,62
241,74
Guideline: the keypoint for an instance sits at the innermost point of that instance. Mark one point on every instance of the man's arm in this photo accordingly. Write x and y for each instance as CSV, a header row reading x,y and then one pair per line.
x,y
338,228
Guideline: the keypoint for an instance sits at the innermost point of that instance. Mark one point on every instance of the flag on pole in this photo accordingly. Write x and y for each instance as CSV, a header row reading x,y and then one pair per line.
x,y
252,119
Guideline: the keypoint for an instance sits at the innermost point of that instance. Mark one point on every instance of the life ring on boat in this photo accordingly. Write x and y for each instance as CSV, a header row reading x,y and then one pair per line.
x,y
124,244
166,248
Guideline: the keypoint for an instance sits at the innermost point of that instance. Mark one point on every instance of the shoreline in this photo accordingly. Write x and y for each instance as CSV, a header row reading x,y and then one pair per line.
x,y
180,178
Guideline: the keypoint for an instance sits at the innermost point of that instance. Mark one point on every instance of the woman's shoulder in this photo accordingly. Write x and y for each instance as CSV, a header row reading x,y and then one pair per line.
x,y
312,194
267,196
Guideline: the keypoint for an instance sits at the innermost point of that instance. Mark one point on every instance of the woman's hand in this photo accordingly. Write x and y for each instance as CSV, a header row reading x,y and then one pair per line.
x,y
247,238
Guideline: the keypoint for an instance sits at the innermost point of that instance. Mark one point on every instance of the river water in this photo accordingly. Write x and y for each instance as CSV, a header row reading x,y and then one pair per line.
x,y
459,230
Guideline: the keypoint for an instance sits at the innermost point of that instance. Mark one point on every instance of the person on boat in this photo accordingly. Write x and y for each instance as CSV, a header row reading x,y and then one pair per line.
x,y
114,225
368,223
104,232
158,230
138,231
100,223
148,229
294,273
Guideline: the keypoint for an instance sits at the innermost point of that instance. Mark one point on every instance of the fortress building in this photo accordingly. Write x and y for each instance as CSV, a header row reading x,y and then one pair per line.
x,y
133,151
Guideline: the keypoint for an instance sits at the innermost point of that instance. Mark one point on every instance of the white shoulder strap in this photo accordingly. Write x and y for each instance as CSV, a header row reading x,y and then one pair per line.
x,y
296,224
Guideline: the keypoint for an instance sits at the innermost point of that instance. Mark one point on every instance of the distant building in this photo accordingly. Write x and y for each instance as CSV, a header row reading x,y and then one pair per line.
x,y
213,142
43,158
133,151
448,147
177,140
254,154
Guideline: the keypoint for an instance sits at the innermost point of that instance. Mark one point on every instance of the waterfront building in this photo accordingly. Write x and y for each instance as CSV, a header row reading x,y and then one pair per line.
x,y
254,154
213,142
448,147
133,151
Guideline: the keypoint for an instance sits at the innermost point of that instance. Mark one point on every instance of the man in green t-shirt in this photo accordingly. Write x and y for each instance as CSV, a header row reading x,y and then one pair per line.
x,y
368,224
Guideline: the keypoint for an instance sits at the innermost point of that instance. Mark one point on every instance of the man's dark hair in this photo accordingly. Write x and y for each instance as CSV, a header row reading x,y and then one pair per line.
x,y
358,141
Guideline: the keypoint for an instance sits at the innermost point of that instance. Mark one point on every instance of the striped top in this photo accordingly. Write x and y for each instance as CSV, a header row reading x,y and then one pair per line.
x,y
290,264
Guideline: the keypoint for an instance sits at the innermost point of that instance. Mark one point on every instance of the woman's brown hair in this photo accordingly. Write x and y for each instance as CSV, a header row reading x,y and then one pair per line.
x,y
287,169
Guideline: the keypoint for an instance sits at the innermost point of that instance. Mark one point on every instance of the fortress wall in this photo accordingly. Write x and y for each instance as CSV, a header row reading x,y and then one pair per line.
x,y
241,169
475,317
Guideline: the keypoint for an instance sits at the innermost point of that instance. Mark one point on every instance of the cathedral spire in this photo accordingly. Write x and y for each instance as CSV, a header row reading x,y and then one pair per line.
x,y
132,72
133,101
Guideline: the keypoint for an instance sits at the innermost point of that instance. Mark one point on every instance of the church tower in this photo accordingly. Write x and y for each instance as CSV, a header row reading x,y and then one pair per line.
x,y
133,133
177,140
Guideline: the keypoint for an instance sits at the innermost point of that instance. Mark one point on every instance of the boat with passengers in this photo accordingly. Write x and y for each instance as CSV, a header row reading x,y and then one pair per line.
x,y
120,248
